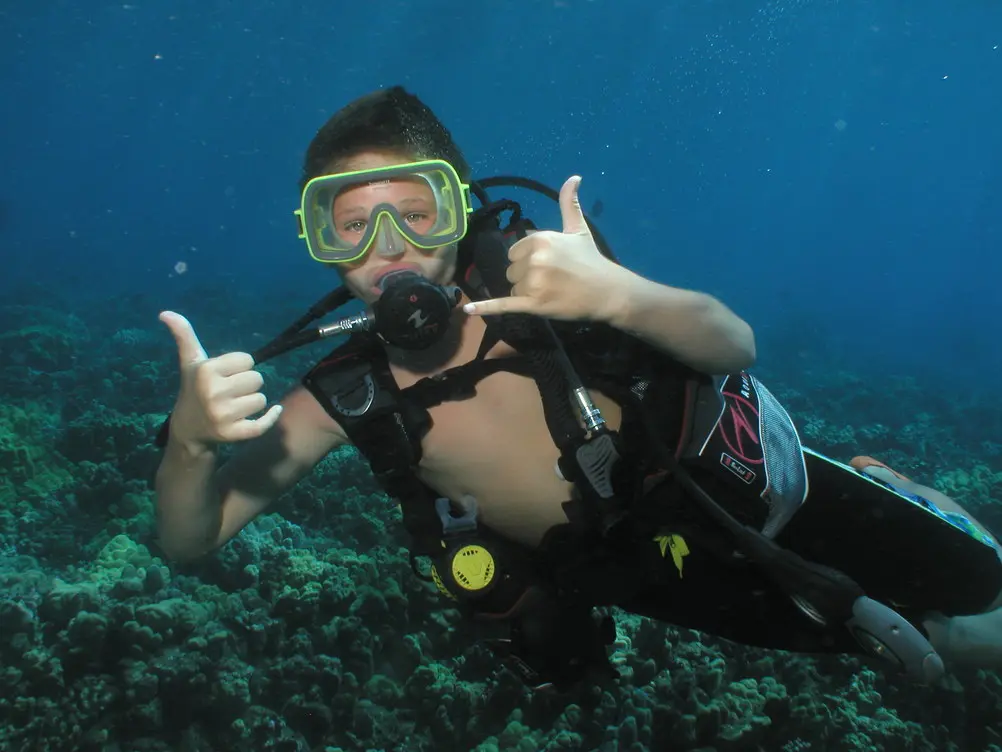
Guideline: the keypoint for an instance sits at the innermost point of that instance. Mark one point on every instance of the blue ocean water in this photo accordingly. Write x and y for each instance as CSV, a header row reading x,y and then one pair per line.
x,y
833,163
831,169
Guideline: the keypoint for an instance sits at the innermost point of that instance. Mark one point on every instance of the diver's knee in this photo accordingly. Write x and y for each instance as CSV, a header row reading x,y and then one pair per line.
x,y
967,641
938,627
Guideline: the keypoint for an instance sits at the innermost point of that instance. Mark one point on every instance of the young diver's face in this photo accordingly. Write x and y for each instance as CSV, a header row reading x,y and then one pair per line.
x,y
415,202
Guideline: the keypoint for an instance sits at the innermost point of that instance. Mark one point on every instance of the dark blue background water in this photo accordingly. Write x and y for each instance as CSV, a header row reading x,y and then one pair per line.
x,y
831,169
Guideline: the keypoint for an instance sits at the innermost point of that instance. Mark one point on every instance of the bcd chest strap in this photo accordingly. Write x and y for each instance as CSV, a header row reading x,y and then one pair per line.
x,y
386,424
355,386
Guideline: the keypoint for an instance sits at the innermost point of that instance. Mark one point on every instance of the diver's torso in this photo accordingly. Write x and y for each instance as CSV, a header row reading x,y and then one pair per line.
x,y
496,447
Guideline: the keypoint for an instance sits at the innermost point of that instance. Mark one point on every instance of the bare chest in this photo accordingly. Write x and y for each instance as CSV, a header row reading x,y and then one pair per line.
x,y
496,447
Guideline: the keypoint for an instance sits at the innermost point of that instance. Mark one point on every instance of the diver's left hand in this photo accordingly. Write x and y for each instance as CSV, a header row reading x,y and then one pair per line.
x,y
559,275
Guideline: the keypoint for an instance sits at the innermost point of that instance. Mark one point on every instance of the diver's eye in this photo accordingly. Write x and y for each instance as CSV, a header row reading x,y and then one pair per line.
x,y
356,226
415,217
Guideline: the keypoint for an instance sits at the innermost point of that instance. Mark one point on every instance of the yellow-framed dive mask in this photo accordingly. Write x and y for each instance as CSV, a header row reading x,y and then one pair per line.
x,y
423,203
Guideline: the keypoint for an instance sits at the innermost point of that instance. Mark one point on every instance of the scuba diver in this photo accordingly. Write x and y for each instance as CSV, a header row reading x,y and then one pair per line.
x,y
562,434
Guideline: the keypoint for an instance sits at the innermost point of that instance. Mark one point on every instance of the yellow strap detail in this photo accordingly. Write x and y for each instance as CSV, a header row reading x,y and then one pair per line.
x,y
679,549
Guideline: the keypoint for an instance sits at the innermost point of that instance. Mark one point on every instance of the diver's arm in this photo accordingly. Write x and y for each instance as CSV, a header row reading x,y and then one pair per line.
x,y
694,328
187,502
200,507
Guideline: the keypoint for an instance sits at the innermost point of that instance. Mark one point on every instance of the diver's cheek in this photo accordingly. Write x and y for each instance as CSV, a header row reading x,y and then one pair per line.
x,y
354,279
445,265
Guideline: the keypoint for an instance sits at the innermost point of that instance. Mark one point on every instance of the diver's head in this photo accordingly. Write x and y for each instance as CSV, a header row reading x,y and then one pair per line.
x,y
386,121
394,218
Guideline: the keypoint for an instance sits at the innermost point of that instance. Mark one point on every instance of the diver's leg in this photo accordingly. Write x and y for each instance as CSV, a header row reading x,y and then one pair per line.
x,y
963,641
880,471
973,642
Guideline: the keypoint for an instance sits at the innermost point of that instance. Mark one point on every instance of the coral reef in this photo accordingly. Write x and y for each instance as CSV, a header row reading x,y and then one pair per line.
x,y
309,631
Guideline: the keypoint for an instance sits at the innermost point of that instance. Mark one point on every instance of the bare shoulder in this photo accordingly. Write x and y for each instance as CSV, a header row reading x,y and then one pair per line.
x,y
302,436
301,410
262,469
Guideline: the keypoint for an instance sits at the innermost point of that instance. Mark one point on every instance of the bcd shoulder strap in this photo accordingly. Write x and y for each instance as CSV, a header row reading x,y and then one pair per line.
x,y
356,388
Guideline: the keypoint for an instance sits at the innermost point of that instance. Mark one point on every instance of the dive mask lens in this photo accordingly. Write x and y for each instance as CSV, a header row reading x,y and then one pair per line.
x,y
421,203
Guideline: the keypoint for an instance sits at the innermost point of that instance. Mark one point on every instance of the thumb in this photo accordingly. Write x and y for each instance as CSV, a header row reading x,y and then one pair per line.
x,y
570,208
189,349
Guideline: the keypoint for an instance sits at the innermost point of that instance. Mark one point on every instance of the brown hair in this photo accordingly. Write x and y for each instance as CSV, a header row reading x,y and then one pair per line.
x,y
391,119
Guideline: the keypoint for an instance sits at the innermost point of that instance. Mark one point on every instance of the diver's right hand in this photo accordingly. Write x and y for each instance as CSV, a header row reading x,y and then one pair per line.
x,y
218,395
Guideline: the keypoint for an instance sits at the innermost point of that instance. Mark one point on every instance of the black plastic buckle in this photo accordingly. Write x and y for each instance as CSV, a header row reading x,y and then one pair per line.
x,y
452,525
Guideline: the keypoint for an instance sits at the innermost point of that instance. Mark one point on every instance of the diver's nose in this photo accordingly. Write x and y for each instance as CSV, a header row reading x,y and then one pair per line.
x,y
389,240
